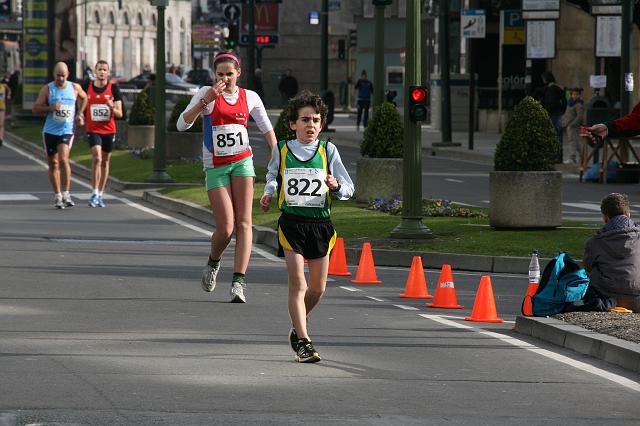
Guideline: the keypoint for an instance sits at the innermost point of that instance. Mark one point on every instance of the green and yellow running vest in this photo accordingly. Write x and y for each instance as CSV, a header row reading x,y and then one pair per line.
x,y
302,190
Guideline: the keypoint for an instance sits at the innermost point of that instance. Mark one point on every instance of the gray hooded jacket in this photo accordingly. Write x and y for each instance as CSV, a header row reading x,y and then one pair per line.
x,y
612,258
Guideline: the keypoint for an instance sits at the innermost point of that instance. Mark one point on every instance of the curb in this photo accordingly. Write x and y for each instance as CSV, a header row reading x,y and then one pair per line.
x,y
84,172
382,257
607,348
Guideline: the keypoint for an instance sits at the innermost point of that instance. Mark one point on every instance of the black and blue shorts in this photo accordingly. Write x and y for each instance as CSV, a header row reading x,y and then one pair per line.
x,y
51,142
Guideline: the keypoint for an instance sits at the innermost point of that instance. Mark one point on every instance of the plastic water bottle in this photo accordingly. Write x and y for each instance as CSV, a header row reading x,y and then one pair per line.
x,y
534,268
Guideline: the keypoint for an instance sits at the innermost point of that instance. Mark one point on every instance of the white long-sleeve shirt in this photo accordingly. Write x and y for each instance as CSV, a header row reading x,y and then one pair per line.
x,y
254,103
304,152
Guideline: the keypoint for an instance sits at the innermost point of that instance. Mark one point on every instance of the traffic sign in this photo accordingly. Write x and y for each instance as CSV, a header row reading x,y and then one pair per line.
x,y
473,23
232,12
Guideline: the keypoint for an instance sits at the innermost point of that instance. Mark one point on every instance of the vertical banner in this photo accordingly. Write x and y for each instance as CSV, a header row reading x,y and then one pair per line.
x,y
36,57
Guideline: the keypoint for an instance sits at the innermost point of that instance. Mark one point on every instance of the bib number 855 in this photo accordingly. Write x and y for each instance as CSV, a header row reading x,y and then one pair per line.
x,y
294,187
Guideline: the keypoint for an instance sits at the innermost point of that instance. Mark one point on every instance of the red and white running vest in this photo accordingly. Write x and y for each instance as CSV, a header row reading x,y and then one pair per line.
x,y
99,117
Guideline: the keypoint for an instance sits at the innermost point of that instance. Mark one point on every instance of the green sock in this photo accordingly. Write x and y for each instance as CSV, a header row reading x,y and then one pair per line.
x,y
238,278
213,263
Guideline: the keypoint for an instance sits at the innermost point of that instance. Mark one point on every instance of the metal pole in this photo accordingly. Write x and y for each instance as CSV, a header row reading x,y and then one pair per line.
x,y
324,48
251,52
500,71
472,91
625,59
159,151
411,225
444,73
378,57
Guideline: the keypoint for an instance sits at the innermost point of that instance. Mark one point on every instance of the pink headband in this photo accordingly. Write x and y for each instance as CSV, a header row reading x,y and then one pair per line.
x,y
227,55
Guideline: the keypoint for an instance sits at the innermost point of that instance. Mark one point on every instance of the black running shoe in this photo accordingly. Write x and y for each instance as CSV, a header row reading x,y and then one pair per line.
x,y
306,351
293,339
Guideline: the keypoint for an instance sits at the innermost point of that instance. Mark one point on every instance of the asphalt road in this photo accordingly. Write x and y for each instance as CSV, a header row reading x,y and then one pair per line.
x,y
467,182
102,322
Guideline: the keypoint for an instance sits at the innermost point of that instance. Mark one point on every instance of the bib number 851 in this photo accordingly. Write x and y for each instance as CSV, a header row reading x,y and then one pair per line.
x,y
294,187
229,139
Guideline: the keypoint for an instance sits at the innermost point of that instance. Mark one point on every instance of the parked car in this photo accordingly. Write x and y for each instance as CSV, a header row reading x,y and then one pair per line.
x,y
201,77
175,86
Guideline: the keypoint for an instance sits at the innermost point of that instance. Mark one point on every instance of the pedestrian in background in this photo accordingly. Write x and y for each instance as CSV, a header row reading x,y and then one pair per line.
x,y
5,97
228,165
364,89
63,102
554,101
571,122
104,105
612,255
305,230
288,86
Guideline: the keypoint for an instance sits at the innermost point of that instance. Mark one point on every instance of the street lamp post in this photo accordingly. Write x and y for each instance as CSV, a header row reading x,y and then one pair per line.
x,y
411,225
378,58
625,57
159,152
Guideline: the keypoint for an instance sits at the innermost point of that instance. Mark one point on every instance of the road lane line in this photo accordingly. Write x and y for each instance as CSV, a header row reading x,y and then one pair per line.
x,y
616,378
375,298
18,197
454,180
407,308
349,288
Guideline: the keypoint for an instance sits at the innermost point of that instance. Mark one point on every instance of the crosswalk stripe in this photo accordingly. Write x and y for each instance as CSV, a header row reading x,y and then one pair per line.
x,y
18,197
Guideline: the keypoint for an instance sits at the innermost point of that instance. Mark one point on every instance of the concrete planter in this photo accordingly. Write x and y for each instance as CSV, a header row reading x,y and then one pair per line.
x,y
378,178
525,199
122,132
140,137
183,145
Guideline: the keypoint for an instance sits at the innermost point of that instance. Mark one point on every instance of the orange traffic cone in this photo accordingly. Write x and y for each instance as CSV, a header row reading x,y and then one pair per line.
x,y
445,291
484,308
338,260
416,283
527,304
366,273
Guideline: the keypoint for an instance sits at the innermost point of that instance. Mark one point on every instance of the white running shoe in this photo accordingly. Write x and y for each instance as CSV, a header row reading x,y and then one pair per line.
x,y
209,275
58,202
68,202
237,292
93,200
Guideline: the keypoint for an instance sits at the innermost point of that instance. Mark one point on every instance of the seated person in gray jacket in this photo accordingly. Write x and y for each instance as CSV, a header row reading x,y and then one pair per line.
x,y
612,255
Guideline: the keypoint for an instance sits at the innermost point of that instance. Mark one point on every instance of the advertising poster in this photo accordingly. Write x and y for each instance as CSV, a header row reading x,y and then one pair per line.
x,y
36,58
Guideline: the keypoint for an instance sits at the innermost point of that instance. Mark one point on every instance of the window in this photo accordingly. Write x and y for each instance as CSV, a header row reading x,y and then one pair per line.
x,y
125,18
96,17
112,19
140,19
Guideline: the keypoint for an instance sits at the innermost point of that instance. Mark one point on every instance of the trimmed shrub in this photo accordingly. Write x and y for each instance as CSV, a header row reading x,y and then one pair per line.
x,y
282,130
384,136
178,108
143,113
529,142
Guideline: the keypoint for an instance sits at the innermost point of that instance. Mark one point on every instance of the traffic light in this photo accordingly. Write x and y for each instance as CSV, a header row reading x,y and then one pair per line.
x,y
353,38
342,49
418,98
232,39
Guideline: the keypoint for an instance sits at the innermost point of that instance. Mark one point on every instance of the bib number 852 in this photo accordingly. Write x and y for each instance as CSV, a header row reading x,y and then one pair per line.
x,y
294,187
228,139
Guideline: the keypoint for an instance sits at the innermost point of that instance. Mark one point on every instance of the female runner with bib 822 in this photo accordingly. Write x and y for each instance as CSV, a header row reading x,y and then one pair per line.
x,y
228,165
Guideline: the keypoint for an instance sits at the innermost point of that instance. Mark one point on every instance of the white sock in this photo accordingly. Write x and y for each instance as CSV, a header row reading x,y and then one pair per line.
x,y
58,194
66,194
101,193
95,191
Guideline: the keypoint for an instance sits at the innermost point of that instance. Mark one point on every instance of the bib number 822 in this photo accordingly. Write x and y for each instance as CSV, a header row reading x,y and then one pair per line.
x,y
294,185
228,139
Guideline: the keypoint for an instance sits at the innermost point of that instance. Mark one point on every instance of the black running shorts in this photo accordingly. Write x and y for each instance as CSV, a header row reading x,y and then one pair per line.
x,y
311,237
106,141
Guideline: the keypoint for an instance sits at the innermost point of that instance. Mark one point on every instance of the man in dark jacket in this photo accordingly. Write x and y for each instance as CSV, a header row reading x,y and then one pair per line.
x,y
555,102
612,255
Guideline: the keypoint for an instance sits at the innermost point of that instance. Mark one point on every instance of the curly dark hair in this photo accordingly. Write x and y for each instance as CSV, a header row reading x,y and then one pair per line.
x,y
615,204
306,99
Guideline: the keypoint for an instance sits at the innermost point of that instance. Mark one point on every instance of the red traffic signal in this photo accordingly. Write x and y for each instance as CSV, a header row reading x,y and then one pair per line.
x,y
418,103
419,94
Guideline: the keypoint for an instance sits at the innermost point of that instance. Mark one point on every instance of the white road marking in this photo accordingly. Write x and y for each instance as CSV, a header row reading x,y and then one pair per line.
x,y
375,298
462,317
407,308
587,206
616,378
349,288
454,180
460,174
18,197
